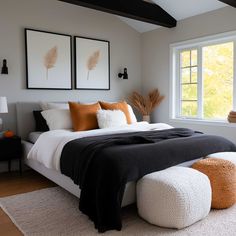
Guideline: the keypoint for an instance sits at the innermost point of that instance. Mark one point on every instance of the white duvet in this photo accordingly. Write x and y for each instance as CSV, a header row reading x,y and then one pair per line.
x,y
48,148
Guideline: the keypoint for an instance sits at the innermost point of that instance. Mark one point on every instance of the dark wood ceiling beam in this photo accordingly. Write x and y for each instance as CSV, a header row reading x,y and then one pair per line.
x,y
229,2
134,9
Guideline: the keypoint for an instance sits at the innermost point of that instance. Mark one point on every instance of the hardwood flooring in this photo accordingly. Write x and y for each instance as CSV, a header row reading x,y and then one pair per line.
x,y
12,184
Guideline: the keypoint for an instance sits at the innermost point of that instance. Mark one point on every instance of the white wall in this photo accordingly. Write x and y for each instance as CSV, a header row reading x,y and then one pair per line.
x,y
55,16
156,61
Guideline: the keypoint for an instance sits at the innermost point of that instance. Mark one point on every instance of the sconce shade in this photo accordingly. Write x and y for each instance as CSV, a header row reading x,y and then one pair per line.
x,y
124,75
4,67
3,105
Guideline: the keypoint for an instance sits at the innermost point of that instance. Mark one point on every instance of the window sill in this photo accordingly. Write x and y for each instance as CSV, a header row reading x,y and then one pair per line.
x,y
222,123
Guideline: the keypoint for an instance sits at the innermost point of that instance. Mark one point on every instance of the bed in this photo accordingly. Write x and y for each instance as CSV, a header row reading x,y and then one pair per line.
x,y
25,126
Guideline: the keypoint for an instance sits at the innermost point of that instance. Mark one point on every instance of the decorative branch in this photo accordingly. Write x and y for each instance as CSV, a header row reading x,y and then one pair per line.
x,y
146,105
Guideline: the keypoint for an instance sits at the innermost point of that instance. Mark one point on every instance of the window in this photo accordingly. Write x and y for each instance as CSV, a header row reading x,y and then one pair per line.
x,y
189,85
203,78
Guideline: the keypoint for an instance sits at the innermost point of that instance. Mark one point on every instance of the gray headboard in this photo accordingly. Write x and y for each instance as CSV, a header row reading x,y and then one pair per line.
x,y
25,119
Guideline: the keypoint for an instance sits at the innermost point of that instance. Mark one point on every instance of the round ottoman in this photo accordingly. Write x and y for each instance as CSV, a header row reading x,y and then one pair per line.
x,y
174,198
222,175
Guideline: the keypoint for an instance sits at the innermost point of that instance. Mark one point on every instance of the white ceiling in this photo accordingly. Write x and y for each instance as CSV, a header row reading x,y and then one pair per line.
x,y
179,9
139,25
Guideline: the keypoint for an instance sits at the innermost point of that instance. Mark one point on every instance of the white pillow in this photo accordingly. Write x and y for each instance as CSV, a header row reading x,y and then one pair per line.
x,y
57,119
111,118
131,112
53,105
132,115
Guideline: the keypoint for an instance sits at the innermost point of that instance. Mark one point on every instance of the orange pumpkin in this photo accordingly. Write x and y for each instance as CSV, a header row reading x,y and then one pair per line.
x,y
8,134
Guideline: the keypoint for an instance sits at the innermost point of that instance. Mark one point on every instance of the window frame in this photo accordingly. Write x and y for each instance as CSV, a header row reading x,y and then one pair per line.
x,y
175,74
178,65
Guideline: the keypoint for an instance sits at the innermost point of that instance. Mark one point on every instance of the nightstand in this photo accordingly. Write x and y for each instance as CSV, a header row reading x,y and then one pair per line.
x,y
11,149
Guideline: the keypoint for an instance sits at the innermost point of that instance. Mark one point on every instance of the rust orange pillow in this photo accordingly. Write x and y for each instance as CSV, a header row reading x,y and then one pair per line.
x,y
123,106
84,117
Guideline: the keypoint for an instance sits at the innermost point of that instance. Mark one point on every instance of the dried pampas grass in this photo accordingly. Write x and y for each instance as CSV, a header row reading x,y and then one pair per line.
x,y
50,59
93,61
146,105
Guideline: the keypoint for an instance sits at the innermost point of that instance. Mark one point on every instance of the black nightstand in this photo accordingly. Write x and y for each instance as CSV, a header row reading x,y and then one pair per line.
x,y
10,149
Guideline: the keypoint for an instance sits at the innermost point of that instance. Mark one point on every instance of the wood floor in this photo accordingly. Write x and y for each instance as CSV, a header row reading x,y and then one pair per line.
x,y
13,183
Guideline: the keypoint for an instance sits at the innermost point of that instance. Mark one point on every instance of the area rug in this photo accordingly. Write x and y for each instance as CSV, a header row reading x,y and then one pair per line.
x,y
54,211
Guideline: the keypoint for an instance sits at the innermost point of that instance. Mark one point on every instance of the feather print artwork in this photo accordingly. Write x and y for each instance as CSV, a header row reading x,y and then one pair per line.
x,y
93,61
50,59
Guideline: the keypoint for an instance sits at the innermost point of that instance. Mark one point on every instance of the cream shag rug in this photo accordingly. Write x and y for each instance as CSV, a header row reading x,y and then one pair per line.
x,y
54,211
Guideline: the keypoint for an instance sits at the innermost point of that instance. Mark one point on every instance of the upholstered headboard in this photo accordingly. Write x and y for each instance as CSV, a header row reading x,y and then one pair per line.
x,y
25,118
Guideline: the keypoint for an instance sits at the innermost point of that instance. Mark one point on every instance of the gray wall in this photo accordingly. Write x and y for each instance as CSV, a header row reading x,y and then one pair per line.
x,y
156,61
145,55
55,16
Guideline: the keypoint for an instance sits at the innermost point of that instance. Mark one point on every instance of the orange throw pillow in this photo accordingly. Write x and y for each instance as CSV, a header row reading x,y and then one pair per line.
x,y
123,106
84,117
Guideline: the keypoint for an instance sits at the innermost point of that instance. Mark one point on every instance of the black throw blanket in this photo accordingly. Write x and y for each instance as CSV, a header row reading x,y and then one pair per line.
x,y
102,165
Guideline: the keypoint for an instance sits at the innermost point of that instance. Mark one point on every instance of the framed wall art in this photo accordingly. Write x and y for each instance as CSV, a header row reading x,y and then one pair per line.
x,y
92,64
48,60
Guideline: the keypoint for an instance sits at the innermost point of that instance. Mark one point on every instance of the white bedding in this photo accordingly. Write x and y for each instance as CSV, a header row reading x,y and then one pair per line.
x,y
48,147
33,136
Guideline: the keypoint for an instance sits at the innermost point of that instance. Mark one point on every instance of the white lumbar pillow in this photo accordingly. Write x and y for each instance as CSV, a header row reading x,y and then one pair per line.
x,y
111,118
57,118
53,105
132,115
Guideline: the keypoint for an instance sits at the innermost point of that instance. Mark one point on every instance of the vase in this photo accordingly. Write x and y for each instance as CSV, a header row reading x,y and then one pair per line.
x,y
146,118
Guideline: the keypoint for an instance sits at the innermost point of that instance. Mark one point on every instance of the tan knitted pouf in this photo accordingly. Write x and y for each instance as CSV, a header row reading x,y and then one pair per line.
x,y
222,175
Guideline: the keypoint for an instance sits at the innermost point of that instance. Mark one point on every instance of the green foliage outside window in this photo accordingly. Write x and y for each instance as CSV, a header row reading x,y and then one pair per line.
x,y
217,68
218,63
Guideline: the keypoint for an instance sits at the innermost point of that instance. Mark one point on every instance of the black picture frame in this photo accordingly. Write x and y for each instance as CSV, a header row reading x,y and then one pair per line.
x,y
70,78
76,61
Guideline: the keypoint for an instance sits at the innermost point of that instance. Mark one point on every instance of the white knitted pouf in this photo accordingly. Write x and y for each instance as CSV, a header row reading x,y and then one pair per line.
x,y
229,156
174,198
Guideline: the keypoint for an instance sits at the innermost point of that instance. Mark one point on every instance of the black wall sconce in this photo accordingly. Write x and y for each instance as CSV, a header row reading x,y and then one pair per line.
x,y
4,70
124,75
